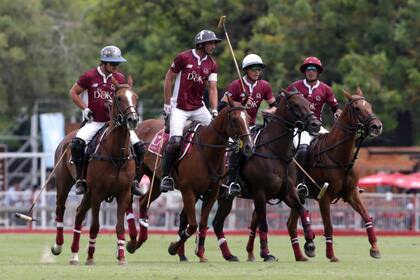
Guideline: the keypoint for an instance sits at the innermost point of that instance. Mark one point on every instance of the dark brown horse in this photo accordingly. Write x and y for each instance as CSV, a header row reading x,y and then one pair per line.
x,y
198,173
332,159
268,174
110,172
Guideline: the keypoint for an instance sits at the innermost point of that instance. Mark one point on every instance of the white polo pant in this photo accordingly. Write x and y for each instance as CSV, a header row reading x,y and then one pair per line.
x,y
305,137
91,128
180,117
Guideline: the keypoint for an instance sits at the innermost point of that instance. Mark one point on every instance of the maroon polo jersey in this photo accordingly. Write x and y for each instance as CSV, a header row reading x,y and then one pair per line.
x,y
256,93
318,95
193,73
100,89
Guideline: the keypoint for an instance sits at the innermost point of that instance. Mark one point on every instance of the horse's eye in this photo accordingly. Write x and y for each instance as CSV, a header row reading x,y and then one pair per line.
x,y
119,98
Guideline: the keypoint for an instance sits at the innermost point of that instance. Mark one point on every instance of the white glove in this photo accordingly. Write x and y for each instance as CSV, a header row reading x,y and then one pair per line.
x,y
87,115
166,110
214,113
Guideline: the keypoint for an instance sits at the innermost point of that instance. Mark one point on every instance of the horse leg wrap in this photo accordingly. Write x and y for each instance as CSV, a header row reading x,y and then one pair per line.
x,y
306,224
329,246
59,238
92,244
76,238
202,232
251,239
264,244
370,231
296,248
132,230
223,246
120,246
185,234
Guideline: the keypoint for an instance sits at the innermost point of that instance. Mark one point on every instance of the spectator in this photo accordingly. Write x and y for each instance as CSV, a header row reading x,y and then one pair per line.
x,y
12,194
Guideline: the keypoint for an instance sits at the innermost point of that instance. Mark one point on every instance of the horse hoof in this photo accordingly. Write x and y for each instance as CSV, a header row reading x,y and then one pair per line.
x,y
310,249
131,246
173,248
270,258
301,259
204,259
232,258
122,262
90,262
375,254
251,258
56,249
334,259
73,262
183,258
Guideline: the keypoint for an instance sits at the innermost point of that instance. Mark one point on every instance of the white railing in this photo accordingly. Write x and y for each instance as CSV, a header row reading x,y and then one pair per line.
x,y
392,212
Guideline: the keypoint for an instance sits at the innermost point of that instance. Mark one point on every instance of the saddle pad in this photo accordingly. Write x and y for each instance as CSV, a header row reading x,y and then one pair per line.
x,y
157,143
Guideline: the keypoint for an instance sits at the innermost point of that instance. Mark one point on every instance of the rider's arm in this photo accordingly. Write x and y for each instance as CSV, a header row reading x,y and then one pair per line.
x,y
167,86
213,95
75,92
272,103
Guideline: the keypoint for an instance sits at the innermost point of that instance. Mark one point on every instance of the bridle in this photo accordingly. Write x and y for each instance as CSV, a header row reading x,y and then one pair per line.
x,y
122,114
360,127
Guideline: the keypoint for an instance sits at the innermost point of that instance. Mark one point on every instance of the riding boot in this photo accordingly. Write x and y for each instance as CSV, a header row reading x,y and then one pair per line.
x,y
77,147
139,156
302,156
171,155
233,187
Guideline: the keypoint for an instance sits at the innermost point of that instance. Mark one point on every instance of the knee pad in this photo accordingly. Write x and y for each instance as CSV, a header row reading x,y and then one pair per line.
x,y
77,147
174,143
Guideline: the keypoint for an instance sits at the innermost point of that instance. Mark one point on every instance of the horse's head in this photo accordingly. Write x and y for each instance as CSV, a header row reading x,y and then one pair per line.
x,y
124,107
296,110
360,112
237,125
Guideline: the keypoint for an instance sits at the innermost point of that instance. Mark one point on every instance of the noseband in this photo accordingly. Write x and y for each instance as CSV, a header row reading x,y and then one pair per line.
x,y
362,126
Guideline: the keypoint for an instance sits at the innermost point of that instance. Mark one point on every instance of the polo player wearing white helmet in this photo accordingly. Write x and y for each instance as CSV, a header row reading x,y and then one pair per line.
x,y
191,70
256,90
100,89
318,94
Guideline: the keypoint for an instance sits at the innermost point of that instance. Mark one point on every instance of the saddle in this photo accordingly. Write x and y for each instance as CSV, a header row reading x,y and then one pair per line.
x,y
161,138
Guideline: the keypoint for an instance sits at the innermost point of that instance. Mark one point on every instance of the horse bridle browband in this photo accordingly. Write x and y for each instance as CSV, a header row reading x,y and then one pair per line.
x,y
122,115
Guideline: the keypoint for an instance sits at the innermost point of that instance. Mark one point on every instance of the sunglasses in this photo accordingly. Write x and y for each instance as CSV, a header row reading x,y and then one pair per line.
x,y
115,64
255,68
311,68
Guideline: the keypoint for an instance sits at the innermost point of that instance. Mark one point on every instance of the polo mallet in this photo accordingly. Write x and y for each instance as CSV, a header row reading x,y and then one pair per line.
x,y
220,25
154,174
28,216
321,190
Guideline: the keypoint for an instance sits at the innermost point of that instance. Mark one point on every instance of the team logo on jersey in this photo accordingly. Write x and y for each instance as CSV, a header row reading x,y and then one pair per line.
x,y
206,71
258,95
194,76
318,98
95,85
189,66
113,87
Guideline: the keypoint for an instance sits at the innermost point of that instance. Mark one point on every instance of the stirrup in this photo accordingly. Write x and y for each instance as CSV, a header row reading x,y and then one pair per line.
x,y
167,184
302,190
80,186
234,189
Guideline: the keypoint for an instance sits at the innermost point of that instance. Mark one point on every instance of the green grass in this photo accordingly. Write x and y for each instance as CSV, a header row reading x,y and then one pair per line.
x,y
23,256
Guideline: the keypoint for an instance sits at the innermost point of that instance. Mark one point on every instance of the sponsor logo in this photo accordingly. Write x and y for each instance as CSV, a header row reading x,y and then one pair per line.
x,y
102,94
189,66
251,103
95,85
194,76
206,71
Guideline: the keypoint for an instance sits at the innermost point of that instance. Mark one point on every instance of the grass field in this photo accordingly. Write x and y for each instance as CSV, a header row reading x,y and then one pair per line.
x,y
26,256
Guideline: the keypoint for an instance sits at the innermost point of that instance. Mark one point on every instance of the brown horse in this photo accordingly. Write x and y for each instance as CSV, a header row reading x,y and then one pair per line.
x,y
332,159
198,173
110,171
273,154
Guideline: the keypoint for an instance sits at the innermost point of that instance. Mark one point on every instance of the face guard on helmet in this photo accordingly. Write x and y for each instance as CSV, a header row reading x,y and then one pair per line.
x,y
312,60
111,54
205,36
252,59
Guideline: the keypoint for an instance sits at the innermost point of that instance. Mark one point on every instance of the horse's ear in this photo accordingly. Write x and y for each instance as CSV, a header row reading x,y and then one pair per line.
x,y
230,101
359,91
130,80
347,94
